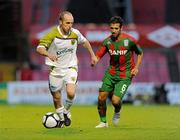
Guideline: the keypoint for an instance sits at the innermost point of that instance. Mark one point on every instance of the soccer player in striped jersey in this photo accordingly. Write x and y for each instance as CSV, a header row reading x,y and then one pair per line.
x,y
121,48
59,47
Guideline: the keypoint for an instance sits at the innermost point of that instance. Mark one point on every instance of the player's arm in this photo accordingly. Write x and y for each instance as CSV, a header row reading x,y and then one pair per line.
x,y
43,51
45,43
87,45
139,53
139,60
100,53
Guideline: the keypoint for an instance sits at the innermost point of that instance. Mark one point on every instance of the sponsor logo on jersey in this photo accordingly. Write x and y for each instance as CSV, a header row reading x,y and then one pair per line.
x,y
117,52
64,51
108,43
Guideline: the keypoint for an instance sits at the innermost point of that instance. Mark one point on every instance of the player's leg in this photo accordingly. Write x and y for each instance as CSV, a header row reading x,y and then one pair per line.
x,y
70,80
55,86
119,92
70,89
106,88
58,104
116,102
102,109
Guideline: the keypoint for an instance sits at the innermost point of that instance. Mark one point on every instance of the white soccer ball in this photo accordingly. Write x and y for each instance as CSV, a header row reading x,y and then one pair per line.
x,y
51,120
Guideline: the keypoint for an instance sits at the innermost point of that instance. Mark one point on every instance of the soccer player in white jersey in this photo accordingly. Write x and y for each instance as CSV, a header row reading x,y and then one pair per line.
x,y
59,47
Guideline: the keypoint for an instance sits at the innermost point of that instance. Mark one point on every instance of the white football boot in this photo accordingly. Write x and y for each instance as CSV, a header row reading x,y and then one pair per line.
x,y
102,125
116,118
60,113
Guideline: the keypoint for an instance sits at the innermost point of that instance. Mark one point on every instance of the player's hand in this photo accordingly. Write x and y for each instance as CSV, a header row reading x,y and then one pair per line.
x,y
53,57
134,72
94,61
92,65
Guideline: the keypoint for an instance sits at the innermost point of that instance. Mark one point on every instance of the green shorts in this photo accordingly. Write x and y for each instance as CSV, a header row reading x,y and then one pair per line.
x,y
113,84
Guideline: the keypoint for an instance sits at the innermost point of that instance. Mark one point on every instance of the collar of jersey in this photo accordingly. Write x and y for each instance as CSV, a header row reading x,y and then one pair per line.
x,y
64,36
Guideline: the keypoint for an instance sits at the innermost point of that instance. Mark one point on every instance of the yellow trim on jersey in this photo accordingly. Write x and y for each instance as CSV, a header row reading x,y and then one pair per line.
x,y
54,33
73,35
49,37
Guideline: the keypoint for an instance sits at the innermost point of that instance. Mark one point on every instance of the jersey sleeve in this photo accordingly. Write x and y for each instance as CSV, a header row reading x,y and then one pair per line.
x,y
137,49
102,50
81,39
134,45
47,39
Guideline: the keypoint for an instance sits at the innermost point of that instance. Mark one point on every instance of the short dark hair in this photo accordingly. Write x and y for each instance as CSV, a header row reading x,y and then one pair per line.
x,y
117,19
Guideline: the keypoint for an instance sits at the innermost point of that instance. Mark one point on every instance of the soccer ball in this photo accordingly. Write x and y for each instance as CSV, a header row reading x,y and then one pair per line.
x,y
52,120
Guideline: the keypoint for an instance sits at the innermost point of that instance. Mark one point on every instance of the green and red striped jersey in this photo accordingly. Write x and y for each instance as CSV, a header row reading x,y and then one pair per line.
x,y
121,53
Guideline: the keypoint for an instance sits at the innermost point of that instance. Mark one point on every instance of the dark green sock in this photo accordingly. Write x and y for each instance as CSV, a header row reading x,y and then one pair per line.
x,y
102,110
117,107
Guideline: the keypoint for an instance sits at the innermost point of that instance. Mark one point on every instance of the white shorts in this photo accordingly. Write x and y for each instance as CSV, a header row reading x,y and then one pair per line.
x,y
57,82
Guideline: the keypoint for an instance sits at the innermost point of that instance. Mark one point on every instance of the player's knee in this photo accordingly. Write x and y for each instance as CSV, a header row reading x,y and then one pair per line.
x,y
56,98
70,94
71,97
115,101
102,98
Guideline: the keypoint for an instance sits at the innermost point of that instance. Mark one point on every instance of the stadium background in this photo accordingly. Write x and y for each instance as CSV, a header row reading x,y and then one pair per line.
x,y
156,27
154,96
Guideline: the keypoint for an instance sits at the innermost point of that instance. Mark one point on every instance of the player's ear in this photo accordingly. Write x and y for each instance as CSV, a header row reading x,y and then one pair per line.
x,y
121,28
60,22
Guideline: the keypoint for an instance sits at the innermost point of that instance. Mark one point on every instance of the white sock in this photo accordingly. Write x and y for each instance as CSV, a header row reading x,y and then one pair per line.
x,y
60,112
68,104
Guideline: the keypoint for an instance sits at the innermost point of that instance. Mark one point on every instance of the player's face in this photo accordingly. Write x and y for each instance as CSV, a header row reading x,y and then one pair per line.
x,y
66,23
115,29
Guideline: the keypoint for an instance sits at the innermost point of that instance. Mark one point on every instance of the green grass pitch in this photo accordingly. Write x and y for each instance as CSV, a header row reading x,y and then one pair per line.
x,y
24,122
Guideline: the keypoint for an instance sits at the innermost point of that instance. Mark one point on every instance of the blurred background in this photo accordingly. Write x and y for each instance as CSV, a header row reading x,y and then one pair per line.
x,y
155,24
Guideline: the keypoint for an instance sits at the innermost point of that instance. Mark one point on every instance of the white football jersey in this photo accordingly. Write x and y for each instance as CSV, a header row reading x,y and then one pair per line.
x,y
64,46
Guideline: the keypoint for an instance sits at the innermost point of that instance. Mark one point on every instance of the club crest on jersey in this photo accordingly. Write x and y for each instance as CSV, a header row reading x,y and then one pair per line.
x,y
117,52
108,43
73,41
126,43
